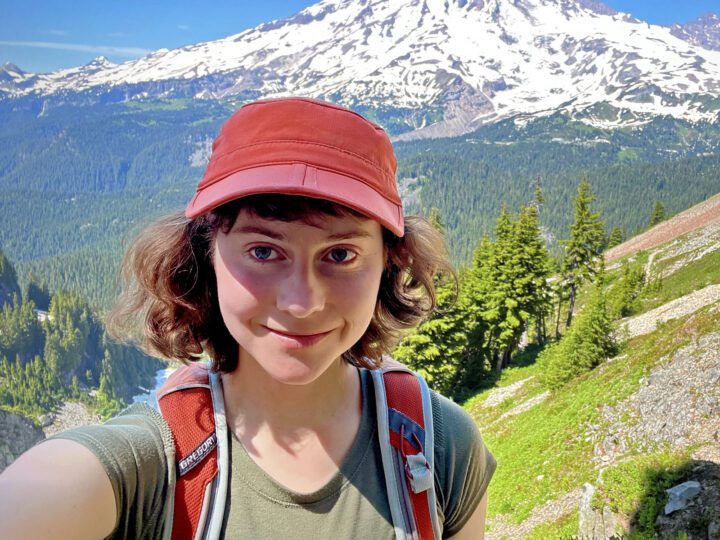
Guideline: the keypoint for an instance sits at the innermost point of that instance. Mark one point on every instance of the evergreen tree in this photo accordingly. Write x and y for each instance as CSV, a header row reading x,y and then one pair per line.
x,y
436,220
9,287
587,344
583,248
658,214
503,312
435,349
512,280
39,294
616,238
20,332
534,261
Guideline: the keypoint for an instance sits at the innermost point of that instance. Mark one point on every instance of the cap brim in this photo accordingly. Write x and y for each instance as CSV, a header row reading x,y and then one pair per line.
x,y
300,179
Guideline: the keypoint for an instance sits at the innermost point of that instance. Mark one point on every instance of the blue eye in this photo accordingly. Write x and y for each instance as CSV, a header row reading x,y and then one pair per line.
x,y
340,255
262,253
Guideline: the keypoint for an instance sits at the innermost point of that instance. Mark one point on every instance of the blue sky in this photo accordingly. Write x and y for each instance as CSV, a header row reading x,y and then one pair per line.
x,y
44,35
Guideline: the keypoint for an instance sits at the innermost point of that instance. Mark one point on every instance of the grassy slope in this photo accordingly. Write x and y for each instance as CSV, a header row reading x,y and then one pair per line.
x,y
550,440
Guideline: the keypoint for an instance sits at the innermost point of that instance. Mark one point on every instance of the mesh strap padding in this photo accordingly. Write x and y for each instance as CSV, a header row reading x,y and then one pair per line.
x,y
189,413
405,396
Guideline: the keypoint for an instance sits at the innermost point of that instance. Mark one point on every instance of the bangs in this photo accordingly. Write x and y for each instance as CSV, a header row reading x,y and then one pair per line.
x,y
281,207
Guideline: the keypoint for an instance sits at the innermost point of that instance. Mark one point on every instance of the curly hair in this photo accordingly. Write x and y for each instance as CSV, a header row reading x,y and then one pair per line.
x,y
168,294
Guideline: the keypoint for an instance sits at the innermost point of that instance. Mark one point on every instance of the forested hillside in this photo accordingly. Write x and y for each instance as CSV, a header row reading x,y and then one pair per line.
x,y
77,182
630,169
53,348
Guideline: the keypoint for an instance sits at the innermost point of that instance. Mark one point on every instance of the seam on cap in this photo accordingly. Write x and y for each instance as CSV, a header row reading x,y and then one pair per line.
x,y
311,143
268,163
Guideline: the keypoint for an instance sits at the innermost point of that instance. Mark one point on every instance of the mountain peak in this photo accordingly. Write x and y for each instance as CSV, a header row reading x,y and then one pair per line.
x,y
9,67
445,66
99,61
703,31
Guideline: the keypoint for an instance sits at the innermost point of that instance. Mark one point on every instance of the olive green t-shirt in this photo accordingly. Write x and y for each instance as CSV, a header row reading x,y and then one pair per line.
x,y
353,504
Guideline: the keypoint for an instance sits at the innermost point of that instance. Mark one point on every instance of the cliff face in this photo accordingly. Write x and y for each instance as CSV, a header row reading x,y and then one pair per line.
x,y
17,434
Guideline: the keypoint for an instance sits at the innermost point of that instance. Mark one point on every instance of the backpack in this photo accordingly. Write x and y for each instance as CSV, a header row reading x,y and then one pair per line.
x,y
191,402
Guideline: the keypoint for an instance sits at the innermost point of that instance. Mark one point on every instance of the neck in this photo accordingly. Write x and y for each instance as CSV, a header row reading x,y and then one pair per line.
x,y
255,401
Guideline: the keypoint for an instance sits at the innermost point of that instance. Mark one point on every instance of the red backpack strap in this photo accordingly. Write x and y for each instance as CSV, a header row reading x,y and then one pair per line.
x,y
405,429
186,403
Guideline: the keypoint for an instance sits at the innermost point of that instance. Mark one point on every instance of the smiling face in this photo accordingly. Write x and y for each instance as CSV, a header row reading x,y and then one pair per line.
x,y
296,295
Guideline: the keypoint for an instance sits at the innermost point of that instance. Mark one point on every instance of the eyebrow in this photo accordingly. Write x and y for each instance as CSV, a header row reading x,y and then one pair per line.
x,y
255,229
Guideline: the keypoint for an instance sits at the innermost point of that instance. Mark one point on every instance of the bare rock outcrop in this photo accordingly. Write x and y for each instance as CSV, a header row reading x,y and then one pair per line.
x,y
17,434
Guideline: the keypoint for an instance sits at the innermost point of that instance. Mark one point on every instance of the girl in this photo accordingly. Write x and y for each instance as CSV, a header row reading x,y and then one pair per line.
x,y
295,272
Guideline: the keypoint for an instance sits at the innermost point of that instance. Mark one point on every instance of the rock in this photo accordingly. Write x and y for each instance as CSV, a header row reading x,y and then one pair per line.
x,y
680,495
714,530
17,434
46,419
595,524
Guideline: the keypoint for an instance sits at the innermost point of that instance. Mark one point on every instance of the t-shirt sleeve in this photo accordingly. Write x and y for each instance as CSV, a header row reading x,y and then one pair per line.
x,y
464,465
135,449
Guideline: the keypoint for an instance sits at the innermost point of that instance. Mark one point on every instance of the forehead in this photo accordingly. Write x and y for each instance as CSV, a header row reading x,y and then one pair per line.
x,y
332,227
283,207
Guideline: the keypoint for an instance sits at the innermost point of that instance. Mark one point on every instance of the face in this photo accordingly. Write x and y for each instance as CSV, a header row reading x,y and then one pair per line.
x,y
295,296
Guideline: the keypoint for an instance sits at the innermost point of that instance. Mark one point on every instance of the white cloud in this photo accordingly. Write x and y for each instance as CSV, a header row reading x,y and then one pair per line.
x,y
128,52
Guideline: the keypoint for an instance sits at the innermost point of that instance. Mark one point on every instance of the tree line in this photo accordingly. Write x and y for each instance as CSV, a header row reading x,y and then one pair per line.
x,y
514,293
53,347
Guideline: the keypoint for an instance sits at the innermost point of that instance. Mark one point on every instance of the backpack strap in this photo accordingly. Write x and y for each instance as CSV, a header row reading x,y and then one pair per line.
x,y
191,401
405,429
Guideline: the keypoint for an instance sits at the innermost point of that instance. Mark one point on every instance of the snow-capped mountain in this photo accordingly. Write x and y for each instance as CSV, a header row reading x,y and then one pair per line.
x,y
448,66
704,31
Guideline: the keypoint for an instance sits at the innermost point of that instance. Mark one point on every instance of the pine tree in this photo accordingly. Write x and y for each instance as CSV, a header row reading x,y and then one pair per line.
x,y
587,344
435,349
9,287
533,259
616,238
583,248
658,214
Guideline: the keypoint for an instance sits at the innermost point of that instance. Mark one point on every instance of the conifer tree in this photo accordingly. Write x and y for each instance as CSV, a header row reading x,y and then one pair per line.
x,y
435,349
588,343
658,214
584,246
616,238
9,287
502,309
39,294
533,289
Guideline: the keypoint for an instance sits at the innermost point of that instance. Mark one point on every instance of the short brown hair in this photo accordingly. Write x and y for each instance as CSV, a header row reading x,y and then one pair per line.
x,y
169,295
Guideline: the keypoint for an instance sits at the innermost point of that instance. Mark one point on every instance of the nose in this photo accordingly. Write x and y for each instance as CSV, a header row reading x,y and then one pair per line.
x,y
301,292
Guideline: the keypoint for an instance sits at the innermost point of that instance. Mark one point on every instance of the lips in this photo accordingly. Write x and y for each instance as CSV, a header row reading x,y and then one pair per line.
x,y
297,340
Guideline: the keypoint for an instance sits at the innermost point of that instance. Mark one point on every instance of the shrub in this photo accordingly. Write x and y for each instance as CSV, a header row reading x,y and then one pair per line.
x,y
587,344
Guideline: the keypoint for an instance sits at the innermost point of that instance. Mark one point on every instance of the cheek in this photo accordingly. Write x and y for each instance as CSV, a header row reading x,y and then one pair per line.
x,y
239,294
359,297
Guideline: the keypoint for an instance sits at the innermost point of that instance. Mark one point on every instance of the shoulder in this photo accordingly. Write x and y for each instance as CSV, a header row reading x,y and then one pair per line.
x,y
137,433
137,451
458,442
463,463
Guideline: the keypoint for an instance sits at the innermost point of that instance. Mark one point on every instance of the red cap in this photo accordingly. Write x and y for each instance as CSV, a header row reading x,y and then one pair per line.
x,y
299,146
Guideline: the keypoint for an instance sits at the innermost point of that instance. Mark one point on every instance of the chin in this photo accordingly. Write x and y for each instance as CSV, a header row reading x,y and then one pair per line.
x,y
295,371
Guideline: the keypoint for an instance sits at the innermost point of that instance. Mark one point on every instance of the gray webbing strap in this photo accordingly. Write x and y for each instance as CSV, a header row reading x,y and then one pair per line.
x,y
219,495
393,465
395,495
